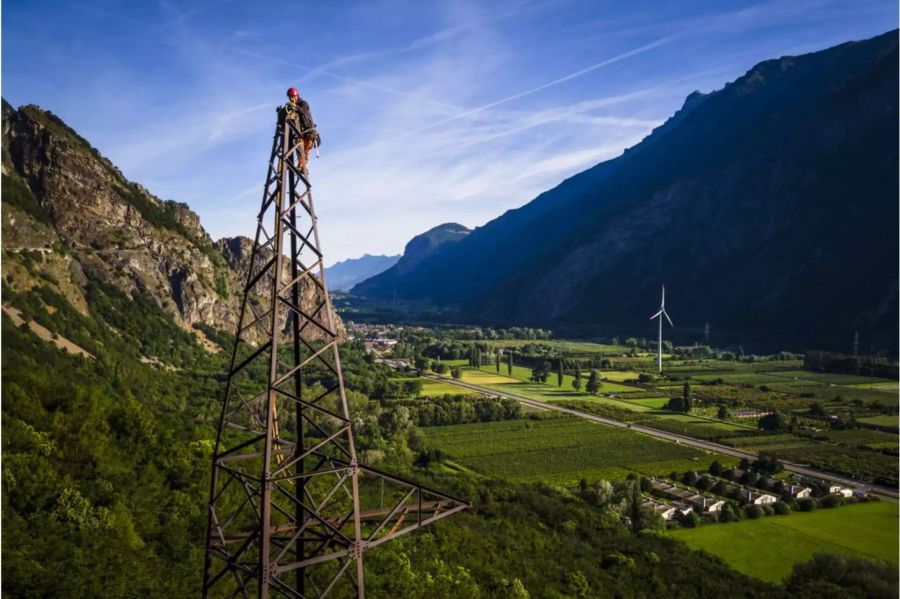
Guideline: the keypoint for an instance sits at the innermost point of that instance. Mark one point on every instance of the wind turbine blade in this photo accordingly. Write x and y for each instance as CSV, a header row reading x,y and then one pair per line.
x,y
663,296
657,314
666,314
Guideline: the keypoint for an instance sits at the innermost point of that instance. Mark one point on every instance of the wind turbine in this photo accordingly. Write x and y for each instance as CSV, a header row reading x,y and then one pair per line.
x,y
662,312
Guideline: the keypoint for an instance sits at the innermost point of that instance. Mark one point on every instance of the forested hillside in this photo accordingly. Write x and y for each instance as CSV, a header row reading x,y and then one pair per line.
x,y
768,208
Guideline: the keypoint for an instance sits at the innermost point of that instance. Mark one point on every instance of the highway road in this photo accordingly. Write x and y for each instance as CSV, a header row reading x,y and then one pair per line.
x,y
886,492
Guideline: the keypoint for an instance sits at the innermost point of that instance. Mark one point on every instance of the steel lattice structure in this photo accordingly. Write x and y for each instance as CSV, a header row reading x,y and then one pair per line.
x,y
285,515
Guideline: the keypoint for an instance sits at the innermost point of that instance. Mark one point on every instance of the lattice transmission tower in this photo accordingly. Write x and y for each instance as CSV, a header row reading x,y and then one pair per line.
x,y
291,510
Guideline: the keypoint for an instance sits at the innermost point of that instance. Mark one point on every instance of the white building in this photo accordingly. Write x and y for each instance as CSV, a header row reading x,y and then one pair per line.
x,y
799,491
748,496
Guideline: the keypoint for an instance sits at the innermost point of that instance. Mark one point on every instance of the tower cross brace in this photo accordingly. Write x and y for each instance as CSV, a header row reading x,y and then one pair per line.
x,y
291,510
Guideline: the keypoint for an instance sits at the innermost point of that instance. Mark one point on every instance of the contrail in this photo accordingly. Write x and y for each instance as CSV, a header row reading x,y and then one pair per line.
x,y
346,78
569,77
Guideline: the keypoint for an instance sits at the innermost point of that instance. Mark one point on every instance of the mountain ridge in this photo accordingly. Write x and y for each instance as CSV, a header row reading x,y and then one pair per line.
x,y
344,274
766,157
71,217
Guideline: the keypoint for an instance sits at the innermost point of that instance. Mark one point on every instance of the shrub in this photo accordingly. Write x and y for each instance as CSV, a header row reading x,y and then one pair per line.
x,y
807,504
781,508
830,501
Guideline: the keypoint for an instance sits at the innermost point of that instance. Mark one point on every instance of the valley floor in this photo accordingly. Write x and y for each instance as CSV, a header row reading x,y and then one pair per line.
x,y
769,547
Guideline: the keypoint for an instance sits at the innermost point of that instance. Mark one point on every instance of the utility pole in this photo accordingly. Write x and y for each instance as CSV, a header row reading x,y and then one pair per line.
x,y
855,343
706,332
291,510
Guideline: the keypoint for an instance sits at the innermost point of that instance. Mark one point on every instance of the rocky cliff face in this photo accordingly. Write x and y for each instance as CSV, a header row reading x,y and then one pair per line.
x,y
64,202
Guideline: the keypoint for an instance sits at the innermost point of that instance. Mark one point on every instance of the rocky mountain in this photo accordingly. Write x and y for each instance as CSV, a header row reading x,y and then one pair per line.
x,y
345,274
417,251
69,217
768,208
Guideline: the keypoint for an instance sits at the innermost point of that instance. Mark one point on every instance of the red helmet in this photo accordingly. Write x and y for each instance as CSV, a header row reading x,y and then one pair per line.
x,y
292,92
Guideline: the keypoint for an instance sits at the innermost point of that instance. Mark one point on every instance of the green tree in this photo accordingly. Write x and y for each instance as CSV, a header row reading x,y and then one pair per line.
x,y
676,404
593,383
541,372
559,373
497,362
635,506
509,364
576,382
413,387
687,398
456,373
722,412
773,422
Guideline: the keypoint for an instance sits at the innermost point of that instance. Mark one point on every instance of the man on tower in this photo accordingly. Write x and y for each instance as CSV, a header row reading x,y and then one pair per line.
x,y
298,108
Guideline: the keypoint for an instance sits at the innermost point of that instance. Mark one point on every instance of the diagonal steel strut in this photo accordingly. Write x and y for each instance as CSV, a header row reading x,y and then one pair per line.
x,y
264,540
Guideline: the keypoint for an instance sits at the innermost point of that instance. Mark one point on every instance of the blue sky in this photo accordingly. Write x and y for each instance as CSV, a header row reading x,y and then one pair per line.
x,y
429,112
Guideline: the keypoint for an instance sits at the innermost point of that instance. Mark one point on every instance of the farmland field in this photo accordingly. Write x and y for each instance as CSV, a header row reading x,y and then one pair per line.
x,y
769,547
561,450
522,373
832,379
578,347
864,437
845,460
886,421
767,442
432,388
656,403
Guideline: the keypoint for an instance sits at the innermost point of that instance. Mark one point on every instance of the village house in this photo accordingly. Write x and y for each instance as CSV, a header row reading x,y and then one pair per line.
x,y
799,491
748,496
666,511
685,498
706,505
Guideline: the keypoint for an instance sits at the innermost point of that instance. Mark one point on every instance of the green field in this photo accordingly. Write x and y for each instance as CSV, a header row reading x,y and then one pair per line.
x,y
769,547
432,388
833,379
523,374
561,450
657,403
578,347
864,437
886,421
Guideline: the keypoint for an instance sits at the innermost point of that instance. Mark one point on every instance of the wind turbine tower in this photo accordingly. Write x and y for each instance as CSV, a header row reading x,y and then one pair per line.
x,y
662,312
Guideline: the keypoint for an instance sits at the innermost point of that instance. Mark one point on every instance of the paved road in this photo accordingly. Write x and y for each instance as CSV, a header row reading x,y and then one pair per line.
x,y
883,491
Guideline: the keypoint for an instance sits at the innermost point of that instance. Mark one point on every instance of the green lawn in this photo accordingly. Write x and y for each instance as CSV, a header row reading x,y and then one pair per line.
x,y
769,547
561,450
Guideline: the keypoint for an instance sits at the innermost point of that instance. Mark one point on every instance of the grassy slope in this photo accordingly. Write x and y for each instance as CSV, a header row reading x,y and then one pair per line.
x,y
768,548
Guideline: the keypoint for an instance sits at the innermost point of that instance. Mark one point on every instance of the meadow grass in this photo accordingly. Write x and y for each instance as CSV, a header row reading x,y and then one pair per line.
x,y
769,547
